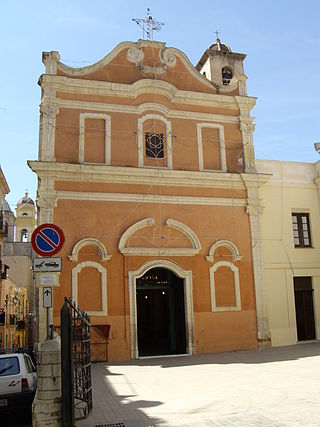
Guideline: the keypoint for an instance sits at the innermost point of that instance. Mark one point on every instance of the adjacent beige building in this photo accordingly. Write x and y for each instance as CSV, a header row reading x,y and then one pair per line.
x,y
291,249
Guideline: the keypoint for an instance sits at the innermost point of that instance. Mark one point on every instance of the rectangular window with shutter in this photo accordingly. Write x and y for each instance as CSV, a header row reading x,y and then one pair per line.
x,y
301,230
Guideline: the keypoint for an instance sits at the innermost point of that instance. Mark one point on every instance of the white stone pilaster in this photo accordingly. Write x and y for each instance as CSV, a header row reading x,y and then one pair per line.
x,y
48,110
254,209
247,127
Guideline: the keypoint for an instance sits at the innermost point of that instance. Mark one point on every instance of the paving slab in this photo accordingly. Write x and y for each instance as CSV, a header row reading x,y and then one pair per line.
x,y
277,387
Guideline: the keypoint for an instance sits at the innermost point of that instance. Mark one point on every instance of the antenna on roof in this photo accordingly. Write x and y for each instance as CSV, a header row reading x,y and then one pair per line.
x,y
148,25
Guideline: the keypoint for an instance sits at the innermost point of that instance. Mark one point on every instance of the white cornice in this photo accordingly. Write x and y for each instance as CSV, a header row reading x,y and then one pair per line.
x,y
128,109
131,175
255,179
98,65
151,198
132,91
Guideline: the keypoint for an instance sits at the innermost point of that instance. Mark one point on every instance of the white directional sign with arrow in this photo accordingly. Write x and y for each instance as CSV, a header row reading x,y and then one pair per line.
x,y
47,297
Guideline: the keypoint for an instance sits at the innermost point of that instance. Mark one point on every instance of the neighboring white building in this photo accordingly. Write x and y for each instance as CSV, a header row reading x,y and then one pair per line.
x,y
291,249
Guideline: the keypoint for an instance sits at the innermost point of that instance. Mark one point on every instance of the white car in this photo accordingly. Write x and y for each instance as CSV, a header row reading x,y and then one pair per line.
x,y
18,382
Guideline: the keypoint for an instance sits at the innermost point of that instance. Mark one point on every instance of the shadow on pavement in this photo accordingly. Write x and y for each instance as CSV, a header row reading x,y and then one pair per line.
x,y
274,354
110,408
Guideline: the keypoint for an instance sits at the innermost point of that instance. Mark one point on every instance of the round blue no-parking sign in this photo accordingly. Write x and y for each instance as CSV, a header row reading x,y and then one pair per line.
x,y
47,239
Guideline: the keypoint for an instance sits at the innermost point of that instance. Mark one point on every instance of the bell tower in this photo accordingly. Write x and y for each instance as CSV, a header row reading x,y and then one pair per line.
x,y
25,219
223,68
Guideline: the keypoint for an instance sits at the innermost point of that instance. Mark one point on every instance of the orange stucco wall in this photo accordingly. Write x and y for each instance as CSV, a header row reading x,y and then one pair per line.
x,y
81,212
124,143
106,221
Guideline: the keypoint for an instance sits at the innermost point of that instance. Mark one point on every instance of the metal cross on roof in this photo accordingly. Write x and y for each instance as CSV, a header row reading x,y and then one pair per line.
x,y
148,25
217,34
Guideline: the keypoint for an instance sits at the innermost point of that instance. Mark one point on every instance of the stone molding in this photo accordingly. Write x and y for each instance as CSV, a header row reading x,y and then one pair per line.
x,y
150,198
223,158
54,171
49,107
158,251
47,200
103,283
86,242
186,275
236,279
147,222
167,124
138,110
184,229
247,127
132,91
245,104
107,120
224,243
254,209
50,60
134,56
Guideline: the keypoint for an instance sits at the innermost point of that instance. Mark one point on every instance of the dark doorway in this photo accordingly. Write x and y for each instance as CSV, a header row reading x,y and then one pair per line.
x,y
160,313
303,296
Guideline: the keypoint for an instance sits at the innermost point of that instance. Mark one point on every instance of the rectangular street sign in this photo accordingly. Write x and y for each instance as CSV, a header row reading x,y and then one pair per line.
x,y
46,264
47,297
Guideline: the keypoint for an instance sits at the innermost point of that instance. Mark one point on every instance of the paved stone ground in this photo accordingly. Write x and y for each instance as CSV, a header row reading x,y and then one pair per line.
x,y
269,388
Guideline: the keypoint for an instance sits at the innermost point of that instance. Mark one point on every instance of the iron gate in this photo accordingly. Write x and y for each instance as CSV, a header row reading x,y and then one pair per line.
x,y
75,363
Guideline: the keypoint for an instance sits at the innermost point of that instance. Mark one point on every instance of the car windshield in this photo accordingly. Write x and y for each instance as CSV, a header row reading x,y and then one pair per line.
x,y
9,366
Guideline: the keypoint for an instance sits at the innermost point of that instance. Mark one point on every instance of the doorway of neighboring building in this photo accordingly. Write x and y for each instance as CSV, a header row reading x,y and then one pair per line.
x,y
160,313
303,295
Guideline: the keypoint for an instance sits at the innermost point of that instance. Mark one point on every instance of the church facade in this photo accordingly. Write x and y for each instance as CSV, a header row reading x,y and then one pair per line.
x,y
146,163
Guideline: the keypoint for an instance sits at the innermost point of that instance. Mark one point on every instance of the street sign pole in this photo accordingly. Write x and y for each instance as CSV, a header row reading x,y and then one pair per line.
x,y
48,323
47,303
47,240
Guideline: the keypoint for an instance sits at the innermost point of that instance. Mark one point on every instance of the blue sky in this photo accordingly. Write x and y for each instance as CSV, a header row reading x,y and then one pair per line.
x,y
281,40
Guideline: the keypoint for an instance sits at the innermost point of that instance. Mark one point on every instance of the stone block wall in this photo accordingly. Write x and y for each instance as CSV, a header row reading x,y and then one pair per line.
x,y
46,410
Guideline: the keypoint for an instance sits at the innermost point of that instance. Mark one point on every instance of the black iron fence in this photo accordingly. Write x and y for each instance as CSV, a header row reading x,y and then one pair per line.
x,y
75,364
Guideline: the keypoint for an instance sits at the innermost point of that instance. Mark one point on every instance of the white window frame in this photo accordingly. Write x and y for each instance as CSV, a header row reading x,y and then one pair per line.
x,y
236,282
223,158
103,284
141,137
107,148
